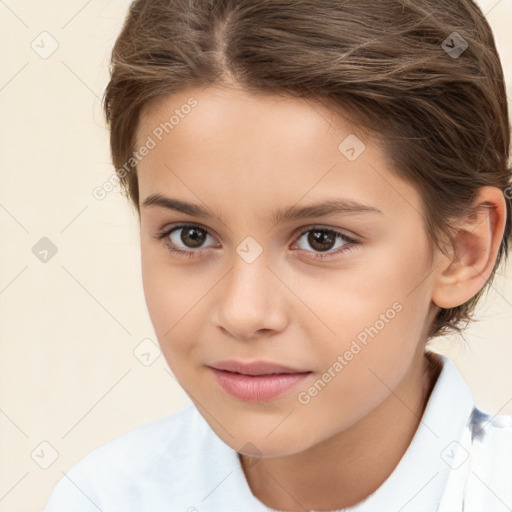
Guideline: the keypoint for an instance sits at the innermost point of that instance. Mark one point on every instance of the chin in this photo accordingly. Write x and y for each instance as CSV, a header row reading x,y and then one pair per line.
x,y
255,442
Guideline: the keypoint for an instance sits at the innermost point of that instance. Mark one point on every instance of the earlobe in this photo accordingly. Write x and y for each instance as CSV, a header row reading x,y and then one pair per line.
x,y
464,272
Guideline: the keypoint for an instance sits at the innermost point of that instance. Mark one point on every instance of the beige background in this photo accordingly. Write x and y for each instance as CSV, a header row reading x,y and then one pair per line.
x,y
68,373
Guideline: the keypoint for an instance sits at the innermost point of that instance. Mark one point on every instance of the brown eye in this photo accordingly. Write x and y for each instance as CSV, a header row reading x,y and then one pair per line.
x,y
321,240
185,239
192,236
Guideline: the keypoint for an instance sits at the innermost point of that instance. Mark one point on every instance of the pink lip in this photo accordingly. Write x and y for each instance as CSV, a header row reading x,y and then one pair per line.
x,y
255,368
258,381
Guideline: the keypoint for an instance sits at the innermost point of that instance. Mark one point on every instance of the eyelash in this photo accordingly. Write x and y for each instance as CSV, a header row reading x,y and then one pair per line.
x,y
349,245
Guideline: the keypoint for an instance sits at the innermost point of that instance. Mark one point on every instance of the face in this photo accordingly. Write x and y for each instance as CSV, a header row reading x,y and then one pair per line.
x,y
338,293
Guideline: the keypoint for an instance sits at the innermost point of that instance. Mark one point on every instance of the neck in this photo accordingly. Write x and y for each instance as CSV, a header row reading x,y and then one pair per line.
x,y
341,471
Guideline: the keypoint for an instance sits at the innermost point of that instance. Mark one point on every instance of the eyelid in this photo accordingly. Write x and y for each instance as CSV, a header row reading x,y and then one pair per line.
x,y
304,229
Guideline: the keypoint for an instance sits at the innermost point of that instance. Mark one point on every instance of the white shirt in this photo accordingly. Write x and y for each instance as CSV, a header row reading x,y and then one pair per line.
x,y
460,460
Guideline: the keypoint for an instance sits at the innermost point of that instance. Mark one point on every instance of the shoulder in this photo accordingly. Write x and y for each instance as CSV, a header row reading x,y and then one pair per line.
x,y
148,439
148,442
119,470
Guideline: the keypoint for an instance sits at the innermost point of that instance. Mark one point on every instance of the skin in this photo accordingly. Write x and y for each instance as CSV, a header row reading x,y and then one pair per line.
x,y
243,156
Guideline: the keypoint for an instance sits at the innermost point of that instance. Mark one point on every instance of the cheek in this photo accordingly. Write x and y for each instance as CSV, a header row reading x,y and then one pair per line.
x,y
368,356
377,337
154,284
374,317
164,290
173,297
348,301
385,279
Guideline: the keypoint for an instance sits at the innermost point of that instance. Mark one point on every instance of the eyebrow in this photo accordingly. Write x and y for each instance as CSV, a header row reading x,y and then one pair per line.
x,y
320,209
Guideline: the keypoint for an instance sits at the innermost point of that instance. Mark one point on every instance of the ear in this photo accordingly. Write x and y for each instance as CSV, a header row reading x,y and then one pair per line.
x,y
464,272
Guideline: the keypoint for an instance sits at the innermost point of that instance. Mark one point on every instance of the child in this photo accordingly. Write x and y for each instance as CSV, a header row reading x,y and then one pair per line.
x,y
323,186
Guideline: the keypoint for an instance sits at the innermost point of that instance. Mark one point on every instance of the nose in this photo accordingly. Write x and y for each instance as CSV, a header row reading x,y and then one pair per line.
x,y
251,301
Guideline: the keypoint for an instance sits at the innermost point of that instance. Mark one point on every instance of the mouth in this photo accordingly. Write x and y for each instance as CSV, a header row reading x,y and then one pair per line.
x,y
256,368
257,381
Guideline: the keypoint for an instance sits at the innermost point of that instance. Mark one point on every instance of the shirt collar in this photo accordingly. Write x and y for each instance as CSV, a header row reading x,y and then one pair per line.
x,y
420,476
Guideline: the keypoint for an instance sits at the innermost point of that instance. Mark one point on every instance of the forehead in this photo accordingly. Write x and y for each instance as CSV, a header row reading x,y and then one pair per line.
x,y
233,146
224,108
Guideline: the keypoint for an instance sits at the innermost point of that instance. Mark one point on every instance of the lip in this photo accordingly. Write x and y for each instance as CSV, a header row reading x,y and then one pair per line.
x,y
255,367
258,381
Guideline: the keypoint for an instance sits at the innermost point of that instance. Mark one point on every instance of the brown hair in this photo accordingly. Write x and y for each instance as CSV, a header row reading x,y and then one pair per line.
x,y
394,66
